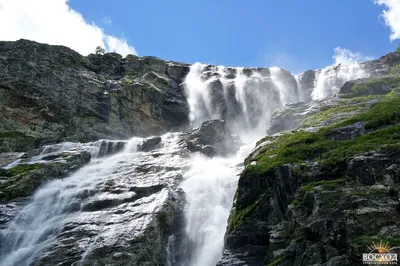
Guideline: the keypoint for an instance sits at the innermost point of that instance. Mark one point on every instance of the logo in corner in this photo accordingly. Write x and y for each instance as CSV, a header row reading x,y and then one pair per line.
x,y
380,254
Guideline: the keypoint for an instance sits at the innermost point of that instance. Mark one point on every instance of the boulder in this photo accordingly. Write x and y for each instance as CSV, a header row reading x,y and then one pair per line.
x,y
212,138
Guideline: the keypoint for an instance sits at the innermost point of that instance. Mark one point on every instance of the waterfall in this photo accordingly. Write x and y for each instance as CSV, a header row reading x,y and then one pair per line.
x,y
329,80
97,199
246,99
104,198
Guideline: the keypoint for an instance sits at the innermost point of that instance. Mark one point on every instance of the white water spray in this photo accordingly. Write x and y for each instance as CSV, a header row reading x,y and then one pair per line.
x,y
329,80
210,184
61,202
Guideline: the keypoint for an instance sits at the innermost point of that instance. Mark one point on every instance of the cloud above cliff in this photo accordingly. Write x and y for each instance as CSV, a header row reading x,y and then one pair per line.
x,y
391,16
54,22
345,56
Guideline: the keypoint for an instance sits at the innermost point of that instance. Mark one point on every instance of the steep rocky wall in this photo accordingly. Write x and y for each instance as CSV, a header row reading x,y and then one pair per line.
x,y
51,93
319,194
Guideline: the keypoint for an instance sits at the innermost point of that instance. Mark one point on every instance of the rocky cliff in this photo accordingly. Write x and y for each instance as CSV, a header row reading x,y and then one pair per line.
x,y
50,94
323,184
320,192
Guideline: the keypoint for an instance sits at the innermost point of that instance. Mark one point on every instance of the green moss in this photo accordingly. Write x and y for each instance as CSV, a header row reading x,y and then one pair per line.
x,y
330,185
327,184
238,215
126,82
276,261
395,70
296,203
378,86
266,138
385,112
368,192
301,146
362,99
23,168
368,240
326,114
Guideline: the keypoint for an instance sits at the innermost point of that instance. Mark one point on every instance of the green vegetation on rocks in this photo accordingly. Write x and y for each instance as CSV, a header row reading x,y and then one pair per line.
x,y
326,114
377,86
16,141
276,261
23,168
300,146
363,241
395,70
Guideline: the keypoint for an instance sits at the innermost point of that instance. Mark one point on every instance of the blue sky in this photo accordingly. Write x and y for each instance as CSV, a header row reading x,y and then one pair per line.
x,y
294,34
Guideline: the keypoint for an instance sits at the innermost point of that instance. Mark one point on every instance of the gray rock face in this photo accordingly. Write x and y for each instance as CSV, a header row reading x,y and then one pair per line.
x,y
212,138
117,210
23,178
291,116
321,208
59,95
320,225
370,86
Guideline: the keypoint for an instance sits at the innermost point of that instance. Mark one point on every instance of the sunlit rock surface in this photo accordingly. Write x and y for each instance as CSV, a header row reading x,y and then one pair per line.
x,y
165,199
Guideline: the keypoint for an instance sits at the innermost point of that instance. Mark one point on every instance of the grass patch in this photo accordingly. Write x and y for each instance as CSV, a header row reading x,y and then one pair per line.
x,y
301,146
386,112
276,261
368,240
395,70
327,184
326,114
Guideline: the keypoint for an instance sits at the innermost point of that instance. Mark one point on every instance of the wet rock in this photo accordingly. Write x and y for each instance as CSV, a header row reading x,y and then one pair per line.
x,y
150,144
22,179
110,147
212,138
127,217
8,157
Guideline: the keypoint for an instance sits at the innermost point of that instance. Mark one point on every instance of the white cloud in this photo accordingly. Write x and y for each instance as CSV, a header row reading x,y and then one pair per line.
x,y
391,16
345,56
54,22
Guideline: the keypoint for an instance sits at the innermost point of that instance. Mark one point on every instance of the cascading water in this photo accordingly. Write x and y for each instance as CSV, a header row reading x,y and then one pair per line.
x,y
330,79
105,202
245,98
88,202
250,96
210,184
